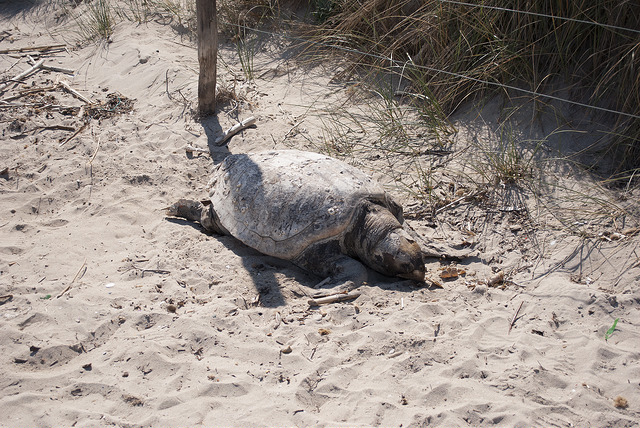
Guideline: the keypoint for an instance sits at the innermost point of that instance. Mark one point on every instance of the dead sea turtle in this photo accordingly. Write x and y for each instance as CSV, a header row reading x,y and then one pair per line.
x,y
318,212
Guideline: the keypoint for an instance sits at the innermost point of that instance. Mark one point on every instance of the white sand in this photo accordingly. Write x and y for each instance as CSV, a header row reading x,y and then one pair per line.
x,y
109,352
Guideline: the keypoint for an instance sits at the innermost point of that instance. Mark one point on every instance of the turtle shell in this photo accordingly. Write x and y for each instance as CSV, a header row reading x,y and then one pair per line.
x,y
282,202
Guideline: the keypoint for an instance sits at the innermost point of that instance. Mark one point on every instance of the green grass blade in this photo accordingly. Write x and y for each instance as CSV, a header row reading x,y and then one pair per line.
x,y
609,332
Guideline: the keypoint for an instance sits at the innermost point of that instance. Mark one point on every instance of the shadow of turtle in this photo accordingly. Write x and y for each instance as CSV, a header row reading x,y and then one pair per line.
x,y
246,193
264,280
256,264
269,274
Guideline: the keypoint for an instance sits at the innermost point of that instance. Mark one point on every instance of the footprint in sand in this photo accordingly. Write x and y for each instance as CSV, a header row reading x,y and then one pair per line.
x,y
57,355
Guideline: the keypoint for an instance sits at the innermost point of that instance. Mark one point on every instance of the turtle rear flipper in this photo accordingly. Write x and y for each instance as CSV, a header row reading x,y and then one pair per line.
x,y
197,211
185,208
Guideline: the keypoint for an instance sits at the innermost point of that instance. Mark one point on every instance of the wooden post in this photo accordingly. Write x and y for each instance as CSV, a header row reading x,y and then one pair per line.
x,y
207,55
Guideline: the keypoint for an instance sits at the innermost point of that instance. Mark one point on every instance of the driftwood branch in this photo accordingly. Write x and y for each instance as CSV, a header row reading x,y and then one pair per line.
x,y
75,93
22,75
39,49
59,69
333,298
5,104
74,279
234,130
51,67
27,92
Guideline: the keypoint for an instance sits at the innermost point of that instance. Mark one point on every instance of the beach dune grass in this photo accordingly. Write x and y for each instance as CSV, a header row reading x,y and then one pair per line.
x,y
586,48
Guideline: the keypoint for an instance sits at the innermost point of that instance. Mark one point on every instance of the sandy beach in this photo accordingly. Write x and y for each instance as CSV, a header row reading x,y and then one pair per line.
x,y
112,314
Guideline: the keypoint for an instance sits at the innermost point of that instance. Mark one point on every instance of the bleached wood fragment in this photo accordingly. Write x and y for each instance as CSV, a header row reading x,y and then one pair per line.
x,y
39,49
191,149
75,93
333,298
59,69
234,130
24,74
51,67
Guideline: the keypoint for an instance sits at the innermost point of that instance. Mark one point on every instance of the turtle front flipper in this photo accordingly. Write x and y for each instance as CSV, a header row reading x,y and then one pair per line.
x,y
342,273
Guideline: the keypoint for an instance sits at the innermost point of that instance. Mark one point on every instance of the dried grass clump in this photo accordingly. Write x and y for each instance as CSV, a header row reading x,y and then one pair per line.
x,y
439,42
620,402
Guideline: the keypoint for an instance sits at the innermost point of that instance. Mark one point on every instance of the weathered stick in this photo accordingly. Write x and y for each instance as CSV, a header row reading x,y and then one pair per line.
x,y
450,204
95,153
52,67
74,92
33,49
24,74
5,104
74,134
59,69
291,130
333,299
234,130
55,127
74,279
513,321
27,92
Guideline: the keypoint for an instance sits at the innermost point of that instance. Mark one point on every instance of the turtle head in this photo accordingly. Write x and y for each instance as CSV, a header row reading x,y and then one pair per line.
x,y
399,255
379,240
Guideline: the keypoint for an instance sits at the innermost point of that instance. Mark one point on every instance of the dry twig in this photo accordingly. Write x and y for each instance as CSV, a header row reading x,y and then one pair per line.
x,y
27,92
291,130
515,317
51,67
74,279
450,204
74,134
